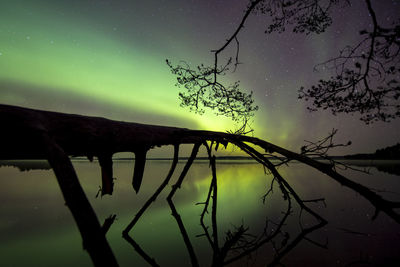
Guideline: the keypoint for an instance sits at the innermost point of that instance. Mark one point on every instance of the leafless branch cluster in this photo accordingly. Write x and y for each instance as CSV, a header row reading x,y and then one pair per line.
x,y
320,149
302,16
366,79
203,90
367,76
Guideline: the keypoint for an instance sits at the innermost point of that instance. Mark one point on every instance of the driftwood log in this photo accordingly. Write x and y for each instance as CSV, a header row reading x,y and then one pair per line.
x,y
28,133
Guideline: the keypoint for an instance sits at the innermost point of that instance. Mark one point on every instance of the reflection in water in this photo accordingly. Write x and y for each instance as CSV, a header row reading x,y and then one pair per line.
x,y
35,223
389,168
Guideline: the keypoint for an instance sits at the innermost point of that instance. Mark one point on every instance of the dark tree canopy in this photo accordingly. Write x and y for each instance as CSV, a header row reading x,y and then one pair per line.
x,y
205,91
365,76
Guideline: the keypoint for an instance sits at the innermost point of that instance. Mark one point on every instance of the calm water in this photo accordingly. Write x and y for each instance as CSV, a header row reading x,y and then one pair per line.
x,y
36,228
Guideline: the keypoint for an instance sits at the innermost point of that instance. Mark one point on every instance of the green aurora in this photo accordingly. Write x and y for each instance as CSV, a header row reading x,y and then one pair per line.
x,y
107,58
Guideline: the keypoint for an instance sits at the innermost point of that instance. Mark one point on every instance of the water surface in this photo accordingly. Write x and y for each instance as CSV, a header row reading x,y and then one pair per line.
x,y
37,229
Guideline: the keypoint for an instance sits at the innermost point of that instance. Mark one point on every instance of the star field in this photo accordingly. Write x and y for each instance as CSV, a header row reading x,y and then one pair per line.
x,y
107,58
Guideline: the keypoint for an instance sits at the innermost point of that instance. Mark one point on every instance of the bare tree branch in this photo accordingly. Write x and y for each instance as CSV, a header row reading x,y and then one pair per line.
x,y
367,76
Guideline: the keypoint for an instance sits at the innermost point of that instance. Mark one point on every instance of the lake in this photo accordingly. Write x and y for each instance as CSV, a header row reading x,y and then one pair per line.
x,y
37,229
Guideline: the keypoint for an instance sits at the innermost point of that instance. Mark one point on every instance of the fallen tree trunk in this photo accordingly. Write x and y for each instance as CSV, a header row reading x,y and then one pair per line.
x,y
28,133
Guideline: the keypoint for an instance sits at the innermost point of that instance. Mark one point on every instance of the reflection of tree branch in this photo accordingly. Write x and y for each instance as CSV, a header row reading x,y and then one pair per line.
x,y
176,215
236,241
289,247
287,191
318,244
249,247
348,231
376,200
54,136
93,235
140,251
152,199
108,222
283,184
158,191
203,225
217,259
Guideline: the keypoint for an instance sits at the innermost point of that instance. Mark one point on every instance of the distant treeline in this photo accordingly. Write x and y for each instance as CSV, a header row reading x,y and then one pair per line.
x,y
390,152
27,165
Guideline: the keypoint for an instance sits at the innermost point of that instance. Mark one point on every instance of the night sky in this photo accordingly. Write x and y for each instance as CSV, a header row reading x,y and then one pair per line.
x,y
107,58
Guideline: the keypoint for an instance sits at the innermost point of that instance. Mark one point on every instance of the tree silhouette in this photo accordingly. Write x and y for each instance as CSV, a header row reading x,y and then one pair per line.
x,y
56,136
366,76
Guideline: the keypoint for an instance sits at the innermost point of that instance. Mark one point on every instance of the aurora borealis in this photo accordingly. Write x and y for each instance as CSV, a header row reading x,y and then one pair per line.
x,y
107,58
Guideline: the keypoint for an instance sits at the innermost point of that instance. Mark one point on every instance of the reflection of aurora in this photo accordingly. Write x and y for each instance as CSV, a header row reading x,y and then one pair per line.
x,y
33,214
